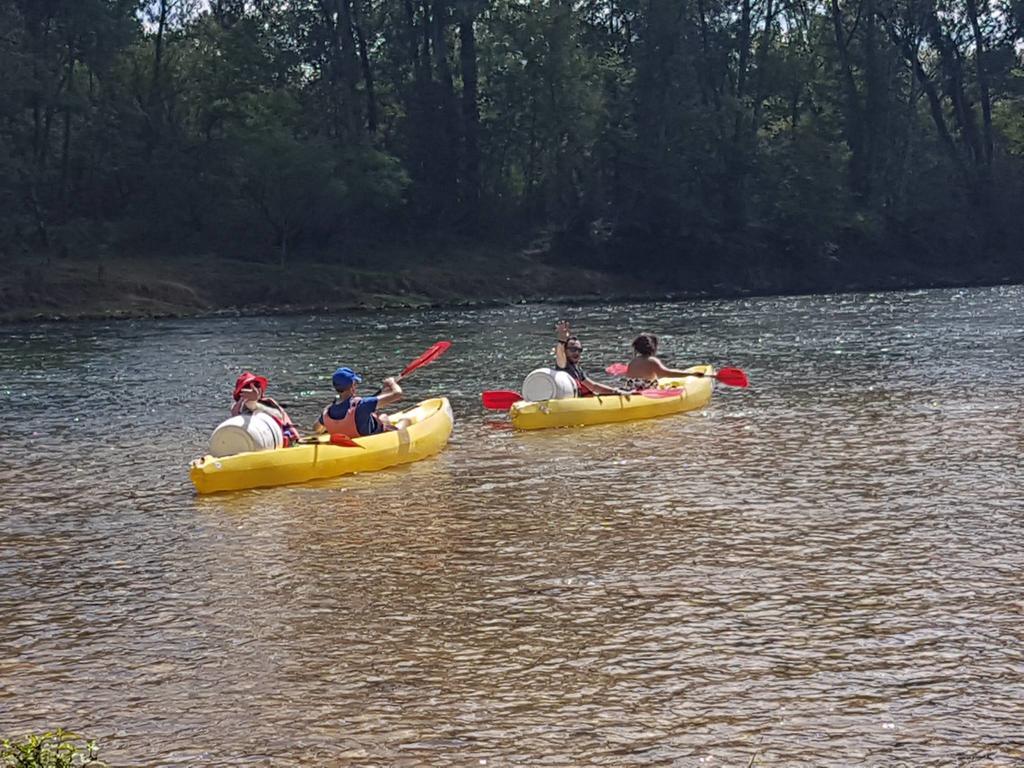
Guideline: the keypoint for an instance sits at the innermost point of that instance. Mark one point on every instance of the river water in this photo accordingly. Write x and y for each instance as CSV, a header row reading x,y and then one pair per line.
x,y
826,569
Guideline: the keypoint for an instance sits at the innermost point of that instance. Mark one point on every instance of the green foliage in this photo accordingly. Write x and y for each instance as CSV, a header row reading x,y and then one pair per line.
x,y
696,133
1009,118
53,749
1009,112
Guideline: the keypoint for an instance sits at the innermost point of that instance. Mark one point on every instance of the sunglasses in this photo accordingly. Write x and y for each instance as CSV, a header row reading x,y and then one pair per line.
x,y
571,348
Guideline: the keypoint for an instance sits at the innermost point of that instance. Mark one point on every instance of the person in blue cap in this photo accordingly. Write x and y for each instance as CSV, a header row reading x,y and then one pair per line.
x,y
355,416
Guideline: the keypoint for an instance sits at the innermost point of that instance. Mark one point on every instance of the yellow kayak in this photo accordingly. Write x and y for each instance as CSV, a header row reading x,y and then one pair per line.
x,y
694,393
428,432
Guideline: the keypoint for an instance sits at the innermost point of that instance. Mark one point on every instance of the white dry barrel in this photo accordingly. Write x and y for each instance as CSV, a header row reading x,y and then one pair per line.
x,y
548,384
248,432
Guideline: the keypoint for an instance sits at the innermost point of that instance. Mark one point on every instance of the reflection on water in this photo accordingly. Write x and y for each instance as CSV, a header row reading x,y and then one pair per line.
x,y
823,570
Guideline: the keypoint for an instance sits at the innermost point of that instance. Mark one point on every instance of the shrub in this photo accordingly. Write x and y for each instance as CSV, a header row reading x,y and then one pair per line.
x,y
53,749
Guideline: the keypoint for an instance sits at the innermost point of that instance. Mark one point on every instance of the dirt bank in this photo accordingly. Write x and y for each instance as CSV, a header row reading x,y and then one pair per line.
x,y
135,287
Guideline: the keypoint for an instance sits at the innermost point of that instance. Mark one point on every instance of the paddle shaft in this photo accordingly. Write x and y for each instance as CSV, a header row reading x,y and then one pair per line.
x,y
433,352
731,377
342,440
381,389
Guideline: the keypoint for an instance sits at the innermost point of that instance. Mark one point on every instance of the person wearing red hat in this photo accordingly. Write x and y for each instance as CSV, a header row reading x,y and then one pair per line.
x,y
250,396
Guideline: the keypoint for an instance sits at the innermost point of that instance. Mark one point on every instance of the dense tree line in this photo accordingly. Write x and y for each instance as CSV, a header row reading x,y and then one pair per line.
x,y
692,136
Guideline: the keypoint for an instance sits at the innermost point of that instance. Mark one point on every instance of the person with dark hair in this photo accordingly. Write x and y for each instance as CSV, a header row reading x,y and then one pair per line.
x,y
568,351
645,368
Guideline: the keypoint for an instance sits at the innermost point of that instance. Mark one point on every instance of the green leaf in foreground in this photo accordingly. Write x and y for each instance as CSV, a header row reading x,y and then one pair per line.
x,y
53,749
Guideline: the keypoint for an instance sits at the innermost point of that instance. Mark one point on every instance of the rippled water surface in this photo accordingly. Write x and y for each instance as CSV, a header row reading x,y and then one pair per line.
x,y
826,569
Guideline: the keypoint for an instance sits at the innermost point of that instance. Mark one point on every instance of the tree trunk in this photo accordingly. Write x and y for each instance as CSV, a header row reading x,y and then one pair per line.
x,y
983,82
156,85
364,60
705,68
65,157
438,28
450,119
953,85
413,40
735,194
426,37
743,43
934,100
344,68
349,71
876,102
762,66
158,47
470,119
853,122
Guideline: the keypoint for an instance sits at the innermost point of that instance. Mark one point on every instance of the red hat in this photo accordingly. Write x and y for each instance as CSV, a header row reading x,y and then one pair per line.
x,y
248,378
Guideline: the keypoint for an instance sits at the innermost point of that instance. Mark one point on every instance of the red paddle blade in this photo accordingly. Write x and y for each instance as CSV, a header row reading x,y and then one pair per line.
x,y
732,377
345,440
500,399
429,356
616,369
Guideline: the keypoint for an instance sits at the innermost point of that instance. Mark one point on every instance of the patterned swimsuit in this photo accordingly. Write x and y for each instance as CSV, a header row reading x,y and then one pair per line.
x,y
638,384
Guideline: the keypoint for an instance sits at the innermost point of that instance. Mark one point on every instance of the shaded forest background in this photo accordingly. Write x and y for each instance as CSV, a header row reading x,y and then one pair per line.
x,y
752,144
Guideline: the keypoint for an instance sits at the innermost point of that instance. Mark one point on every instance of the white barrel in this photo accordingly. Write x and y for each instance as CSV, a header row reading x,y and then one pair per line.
x,y
548,384
248,432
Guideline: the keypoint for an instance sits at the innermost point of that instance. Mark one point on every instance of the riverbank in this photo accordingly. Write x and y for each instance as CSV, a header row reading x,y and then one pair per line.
x,y
34,289
185,287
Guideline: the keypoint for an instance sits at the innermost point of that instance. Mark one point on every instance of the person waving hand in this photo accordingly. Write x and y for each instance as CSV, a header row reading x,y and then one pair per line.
x,y
568,352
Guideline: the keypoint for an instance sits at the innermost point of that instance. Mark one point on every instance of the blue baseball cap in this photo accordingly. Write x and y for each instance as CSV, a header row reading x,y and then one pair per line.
x,y
343,378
